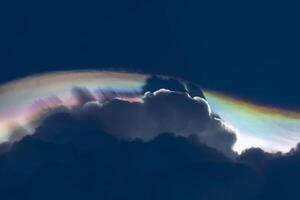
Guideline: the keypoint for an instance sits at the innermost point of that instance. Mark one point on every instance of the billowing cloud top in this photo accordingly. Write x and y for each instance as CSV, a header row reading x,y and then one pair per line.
x,y
118,101
163,111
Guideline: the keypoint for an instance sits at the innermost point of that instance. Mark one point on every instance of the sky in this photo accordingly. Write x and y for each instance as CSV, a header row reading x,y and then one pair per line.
x,y
162,144
246,50
249,49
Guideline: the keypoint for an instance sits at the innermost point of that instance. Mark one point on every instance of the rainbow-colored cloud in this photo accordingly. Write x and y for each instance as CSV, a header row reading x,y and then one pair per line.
x,y
260,126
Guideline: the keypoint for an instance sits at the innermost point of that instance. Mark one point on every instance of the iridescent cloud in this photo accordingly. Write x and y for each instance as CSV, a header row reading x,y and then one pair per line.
x,y
22,101
269,128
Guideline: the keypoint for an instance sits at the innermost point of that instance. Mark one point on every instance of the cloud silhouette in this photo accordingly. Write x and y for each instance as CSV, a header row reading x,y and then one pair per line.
x,y
70,156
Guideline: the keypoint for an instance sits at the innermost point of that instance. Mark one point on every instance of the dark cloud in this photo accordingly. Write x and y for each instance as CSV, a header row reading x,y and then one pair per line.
x,y
18,133
281,176
256,157
71,157
4,147
166,146
82,95
194,89
156,82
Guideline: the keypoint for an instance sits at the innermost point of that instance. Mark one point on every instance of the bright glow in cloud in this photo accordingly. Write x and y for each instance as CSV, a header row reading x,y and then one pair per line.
x,y
257,126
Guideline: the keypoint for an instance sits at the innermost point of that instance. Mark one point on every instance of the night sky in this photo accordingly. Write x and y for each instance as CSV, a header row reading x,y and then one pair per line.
x,y
249,49
199,100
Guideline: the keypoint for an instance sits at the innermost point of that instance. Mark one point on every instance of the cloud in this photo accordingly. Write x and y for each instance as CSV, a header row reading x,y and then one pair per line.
x,y
79,160
164,146
160,112
82,95
156,82
71,156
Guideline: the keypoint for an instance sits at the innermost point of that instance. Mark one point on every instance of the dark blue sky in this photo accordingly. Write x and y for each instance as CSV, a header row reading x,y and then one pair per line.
x,y
246,48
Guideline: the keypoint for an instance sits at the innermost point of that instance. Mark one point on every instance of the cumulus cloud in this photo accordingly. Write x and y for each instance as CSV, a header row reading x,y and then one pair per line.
x,y
93,152
160,112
